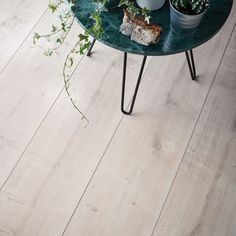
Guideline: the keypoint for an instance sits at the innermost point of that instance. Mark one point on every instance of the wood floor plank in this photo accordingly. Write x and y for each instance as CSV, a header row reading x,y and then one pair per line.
x,y
203,197
29,86
17,19
131,184
45,187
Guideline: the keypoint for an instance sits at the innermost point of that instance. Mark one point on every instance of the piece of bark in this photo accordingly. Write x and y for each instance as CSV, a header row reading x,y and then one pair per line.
x,y
139,30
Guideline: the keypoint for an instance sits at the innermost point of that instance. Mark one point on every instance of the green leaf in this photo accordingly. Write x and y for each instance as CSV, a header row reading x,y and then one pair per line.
x,y
59,40
36,37
49,52
54,28
83,37
52,7
123,2
147,19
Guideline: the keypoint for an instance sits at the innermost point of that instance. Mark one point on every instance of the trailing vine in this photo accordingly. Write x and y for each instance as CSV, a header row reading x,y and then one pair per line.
x,y
80,47
59,33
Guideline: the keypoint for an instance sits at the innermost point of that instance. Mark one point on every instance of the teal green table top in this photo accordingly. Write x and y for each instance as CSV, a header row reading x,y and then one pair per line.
x,y
170,43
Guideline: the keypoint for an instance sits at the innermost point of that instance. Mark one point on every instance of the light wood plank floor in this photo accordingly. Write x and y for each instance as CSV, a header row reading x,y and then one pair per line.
x,y
169,169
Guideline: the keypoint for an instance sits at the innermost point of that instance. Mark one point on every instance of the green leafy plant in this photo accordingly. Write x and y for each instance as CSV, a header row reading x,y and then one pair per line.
x,y
134,11
190,6
51,41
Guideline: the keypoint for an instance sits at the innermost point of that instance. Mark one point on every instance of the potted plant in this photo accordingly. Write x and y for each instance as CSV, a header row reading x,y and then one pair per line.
x,y
51,41
151,4
186,15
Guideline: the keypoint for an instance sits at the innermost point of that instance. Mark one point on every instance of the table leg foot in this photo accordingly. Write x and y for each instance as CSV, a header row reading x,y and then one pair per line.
x,y
136,88
191,64
91,47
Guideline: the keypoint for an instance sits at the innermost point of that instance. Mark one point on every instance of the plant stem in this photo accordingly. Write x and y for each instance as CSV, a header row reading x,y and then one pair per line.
x,y
66,81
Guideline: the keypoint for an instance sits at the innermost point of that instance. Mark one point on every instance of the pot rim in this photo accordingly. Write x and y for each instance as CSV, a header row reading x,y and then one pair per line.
x,y
198,14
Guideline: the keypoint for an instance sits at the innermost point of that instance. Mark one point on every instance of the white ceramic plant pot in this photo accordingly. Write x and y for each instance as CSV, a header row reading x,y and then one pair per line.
x,y
151,4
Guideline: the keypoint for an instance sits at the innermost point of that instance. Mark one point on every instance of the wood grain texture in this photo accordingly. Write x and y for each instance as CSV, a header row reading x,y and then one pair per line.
x,y
51,177
17,19
203,198
29,86
131,184
113,177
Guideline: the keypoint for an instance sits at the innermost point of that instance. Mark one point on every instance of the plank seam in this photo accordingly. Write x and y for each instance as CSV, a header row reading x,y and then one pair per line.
x,y
27,36
101,159
40,125
194,128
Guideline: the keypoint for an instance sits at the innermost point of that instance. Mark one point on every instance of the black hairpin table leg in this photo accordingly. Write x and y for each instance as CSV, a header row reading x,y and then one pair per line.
x,y
136,88
191,64
91,47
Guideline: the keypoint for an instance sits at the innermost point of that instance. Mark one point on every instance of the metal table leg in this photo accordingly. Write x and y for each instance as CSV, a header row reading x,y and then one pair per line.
x,y
91,47
191,64
136,88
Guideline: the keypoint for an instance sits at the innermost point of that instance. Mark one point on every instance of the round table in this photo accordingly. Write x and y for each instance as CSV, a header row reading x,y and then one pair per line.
x,y
169,43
